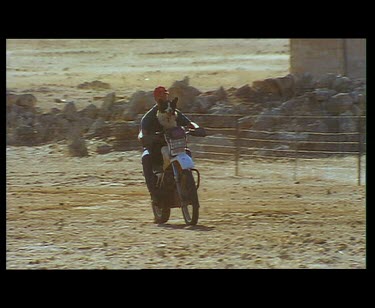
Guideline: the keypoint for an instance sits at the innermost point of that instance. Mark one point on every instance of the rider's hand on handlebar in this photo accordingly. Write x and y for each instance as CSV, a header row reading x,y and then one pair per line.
x,y
195,130
198,132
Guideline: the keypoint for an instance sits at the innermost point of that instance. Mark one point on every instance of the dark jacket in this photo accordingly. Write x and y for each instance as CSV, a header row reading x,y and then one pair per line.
x,y
150,125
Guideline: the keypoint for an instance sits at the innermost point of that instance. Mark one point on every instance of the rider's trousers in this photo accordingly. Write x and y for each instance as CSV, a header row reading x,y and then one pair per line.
x,y
147,171
147,163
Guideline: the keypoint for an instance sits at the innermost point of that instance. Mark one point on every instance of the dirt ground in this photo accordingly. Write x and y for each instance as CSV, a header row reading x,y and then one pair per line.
x,y
94,212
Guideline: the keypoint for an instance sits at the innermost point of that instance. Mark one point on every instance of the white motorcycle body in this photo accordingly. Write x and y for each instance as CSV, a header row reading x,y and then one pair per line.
x,y
185,161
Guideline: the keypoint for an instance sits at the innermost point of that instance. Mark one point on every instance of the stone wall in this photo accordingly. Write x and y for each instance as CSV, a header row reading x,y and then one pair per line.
x,y
321,56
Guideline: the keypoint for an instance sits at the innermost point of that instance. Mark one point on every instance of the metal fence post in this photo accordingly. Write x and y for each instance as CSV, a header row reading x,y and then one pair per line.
x,y
295,152
359,150
237,153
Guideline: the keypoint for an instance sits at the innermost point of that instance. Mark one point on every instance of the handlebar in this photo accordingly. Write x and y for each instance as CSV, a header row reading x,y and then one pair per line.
x,y
196,132
158,137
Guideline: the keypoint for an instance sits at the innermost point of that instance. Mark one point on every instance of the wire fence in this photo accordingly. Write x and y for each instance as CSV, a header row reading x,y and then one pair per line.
x,y
230,139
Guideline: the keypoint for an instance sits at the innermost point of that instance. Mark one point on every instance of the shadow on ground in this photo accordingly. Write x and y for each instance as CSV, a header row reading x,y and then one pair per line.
x,y
186,227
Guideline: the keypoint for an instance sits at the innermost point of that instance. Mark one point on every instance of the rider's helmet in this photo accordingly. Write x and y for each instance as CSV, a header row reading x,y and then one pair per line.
x,y
160,92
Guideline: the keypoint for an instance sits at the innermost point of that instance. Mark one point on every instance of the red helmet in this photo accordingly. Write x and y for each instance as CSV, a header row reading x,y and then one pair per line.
x,y
160,92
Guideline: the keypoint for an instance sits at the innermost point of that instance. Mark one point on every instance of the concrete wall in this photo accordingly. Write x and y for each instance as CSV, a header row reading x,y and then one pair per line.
x,y
356,58
320,56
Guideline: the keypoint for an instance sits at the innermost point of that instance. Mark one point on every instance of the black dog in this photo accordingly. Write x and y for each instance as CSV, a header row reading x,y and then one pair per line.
x,y
167,114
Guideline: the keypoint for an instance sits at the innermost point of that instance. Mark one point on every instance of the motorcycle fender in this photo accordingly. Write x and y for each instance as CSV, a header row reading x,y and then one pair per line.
x,y
184,160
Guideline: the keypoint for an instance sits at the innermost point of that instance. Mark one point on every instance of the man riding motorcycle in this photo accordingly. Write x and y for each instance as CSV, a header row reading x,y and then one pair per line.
x,y
152,143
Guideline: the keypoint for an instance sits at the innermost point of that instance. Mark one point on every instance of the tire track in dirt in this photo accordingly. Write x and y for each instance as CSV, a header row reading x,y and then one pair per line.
x,y
112,227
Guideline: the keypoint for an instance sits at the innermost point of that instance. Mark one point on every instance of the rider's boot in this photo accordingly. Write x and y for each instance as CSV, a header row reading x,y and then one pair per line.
x,y
153,190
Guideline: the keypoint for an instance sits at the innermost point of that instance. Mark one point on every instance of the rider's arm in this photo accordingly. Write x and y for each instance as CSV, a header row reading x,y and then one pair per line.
x,y
183,120
146,132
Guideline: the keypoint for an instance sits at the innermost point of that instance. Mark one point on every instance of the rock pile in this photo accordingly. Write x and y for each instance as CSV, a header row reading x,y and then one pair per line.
x,y
96,84
303,108
330,104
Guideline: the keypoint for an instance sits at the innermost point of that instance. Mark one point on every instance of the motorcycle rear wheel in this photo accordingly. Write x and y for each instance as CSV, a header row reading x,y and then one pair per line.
x,y
190,202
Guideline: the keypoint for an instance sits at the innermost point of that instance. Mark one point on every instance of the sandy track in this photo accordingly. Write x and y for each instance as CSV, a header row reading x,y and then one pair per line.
x,y
97,215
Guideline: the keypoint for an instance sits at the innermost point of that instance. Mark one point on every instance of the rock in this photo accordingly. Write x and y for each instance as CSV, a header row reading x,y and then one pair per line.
x,y
185,93
77,147
317,126
125,136
61,126
268,120
108,101
276,88
103,148
99,128
348,123
46,127
55,110
106,107
26,118
117,111
26,100
220,94
247,121
25,135
90,111
223,107
326,81
10,139
339,103
359,101
11,119
139,103
320,95
83,125
96,84
19,115
286,86
301,105
70,111
11,99
20,103
303,82
203,103
245,92
358,97
43,133
342,84
267,86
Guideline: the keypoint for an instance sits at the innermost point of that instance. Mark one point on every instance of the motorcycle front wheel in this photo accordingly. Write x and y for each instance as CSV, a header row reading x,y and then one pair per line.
x,y
161,215
189,196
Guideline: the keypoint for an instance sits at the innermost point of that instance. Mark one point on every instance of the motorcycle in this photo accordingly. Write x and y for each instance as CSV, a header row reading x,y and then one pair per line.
x,y
175,181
